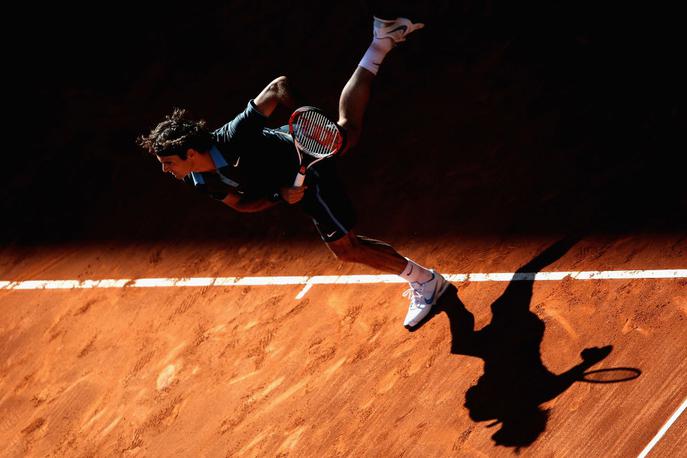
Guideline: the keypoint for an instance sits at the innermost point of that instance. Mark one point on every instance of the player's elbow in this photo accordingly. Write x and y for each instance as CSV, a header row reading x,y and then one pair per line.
x,y
281,91
277,86
232,201
280,83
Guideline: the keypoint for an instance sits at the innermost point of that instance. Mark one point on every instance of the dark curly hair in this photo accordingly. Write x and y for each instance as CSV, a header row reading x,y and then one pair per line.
x,y
175,135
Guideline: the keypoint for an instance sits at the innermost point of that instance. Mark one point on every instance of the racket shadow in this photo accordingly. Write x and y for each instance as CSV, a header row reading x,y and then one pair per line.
x,y
515,382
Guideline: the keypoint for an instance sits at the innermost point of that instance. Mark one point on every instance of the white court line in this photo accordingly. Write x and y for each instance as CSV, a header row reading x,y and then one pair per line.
x,y
304,291
309,282
661,432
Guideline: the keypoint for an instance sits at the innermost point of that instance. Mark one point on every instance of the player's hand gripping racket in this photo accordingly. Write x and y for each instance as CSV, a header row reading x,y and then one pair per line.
x,y
316,137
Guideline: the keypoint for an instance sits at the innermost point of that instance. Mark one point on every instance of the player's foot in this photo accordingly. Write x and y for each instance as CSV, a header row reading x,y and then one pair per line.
x,y
395,29
422,297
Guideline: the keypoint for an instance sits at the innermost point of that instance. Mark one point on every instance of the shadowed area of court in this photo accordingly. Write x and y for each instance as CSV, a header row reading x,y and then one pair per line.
x,y
495,118
515,382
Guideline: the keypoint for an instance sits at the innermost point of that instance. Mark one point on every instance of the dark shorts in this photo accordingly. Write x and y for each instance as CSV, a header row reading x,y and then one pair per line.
x,y
327,202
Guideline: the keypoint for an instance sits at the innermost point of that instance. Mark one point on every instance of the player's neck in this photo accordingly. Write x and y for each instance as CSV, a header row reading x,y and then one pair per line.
x,y
203,162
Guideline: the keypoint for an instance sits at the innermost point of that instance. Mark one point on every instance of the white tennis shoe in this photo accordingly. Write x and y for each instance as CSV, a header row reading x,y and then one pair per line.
x,y
396,29
422,297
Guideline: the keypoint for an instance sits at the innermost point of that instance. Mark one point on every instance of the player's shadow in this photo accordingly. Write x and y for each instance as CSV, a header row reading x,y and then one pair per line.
x,y
515,382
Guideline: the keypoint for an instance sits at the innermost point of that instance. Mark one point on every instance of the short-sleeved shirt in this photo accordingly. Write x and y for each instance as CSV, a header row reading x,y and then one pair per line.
x,y
250,159
255,162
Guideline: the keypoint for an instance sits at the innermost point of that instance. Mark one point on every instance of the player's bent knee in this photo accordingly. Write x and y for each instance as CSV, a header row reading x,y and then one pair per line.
x,y
345,254
352,133
346,249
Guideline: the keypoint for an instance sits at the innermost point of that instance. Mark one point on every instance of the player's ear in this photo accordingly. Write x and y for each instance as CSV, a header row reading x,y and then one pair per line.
x,y
191,153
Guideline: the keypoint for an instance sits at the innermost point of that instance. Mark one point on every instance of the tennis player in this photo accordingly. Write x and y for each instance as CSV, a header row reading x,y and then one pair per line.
x,y
225,164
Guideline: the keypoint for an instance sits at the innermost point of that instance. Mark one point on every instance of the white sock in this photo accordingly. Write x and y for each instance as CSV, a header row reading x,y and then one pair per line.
x,y
375,54
415,273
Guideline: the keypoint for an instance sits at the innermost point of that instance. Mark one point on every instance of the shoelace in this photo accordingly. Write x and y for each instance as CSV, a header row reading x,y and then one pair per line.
x,y
414,296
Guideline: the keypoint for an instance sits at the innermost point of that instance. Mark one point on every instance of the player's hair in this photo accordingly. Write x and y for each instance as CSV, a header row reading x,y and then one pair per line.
x,y
176,134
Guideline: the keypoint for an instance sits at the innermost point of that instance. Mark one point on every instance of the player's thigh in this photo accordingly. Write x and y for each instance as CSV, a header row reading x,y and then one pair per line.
x,y
328,204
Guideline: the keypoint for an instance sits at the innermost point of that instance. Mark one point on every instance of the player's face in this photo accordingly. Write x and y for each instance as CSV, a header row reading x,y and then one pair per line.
x,y
175,165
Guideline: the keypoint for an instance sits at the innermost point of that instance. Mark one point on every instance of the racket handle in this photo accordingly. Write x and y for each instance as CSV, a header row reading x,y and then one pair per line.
x,y
298,182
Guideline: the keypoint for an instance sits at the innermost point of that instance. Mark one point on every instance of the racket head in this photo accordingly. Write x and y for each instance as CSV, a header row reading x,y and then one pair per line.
x,y
315,134
611,375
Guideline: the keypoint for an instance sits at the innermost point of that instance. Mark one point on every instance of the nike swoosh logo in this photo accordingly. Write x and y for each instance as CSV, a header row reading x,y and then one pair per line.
x,y
236,164
400,27
431,298
329,235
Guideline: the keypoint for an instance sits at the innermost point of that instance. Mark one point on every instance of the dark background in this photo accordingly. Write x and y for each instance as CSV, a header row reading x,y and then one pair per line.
x,y
498,118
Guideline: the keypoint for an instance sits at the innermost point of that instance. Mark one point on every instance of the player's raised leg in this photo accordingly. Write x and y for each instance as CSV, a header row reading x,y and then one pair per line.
x,y
356,93
426,285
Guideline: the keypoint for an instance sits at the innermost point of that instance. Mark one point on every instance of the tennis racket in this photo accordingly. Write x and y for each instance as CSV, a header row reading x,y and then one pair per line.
x,y
316,137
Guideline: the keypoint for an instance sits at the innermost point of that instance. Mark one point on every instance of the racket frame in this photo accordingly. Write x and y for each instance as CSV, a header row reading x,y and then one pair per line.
x,y
338,142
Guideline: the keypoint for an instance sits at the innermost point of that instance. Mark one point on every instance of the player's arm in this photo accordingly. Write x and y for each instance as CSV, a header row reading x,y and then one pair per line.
x,y
292,195
276,93
244,205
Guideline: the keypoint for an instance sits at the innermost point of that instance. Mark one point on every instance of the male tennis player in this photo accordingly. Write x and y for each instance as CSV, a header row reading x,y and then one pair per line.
x,y
225,164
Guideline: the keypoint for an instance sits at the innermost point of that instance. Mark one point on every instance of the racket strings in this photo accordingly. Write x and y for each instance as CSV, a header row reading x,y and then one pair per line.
x,y
316,134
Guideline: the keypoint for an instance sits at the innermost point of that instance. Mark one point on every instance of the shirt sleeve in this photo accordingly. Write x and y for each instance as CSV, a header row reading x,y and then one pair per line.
x,y
247,123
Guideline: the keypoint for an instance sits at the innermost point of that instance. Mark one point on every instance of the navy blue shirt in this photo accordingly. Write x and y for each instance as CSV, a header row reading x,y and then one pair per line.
x,y
250,159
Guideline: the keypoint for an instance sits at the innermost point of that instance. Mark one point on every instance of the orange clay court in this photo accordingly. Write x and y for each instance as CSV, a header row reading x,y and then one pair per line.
x,y
250,371
530,158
